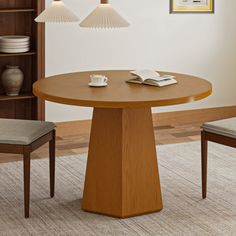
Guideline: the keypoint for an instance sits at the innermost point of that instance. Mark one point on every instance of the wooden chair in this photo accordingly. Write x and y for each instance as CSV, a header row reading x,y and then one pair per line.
x,y
222,132
23,137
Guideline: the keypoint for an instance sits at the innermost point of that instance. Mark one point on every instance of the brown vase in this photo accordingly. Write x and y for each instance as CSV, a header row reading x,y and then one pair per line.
x,y
12,80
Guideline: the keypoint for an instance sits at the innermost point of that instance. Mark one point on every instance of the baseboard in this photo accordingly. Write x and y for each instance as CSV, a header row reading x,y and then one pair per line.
x,y
159,119
193,116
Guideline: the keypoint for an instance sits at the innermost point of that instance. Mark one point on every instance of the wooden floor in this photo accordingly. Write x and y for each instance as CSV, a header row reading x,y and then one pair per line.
x,y
77,144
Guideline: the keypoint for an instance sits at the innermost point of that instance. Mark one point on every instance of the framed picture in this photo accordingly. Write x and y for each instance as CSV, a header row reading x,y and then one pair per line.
x,y
192,6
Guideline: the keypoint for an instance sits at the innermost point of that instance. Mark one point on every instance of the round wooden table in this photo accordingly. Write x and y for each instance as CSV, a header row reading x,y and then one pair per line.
x,y
122,176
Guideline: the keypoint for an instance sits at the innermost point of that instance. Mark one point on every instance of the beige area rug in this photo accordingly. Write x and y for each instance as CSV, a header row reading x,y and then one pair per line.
x,y
184,213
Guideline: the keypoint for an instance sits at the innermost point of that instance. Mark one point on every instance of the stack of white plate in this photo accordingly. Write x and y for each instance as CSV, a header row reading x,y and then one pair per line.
x,y
14,44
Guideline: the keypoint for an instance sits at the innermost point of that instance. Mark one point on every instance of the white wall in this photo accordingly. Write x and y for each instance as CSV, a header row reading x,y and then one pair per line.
x,y
198,44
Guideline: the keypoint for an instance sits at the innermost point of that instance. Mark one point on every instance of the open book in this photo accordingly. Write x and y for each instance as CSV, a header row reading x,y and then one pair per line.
x,y
153,78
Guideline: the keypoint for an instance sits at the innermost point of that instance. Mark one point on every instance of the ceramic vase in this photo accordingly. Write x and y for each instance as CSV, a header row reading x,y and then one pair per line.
x,y
12,80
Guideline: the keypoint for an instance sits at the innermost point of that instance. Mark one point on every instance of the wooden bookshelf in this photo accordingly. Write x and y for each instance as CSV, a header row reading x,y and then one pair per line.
x,y
17,18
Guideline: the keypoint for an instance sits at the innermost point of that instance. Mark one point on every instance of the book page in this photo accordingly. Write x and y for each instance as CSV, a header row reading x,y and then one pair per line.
x,y
160,83
146,74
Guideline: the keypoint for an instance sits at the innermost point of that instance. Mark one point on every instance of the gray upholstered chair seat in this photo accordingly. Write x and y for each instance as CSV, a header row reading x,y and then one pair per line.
x,y
225,127
23,132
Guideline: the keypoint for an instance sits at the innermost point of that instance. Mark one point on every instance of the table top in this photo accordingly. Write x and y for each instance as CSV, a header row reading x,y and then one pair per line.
x,y
73,89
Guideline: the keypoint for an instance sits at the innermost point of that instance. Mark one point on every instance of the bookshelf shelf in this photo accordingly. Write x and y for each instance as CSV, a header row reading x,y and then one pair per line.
x,y
17,10
20,97
17,54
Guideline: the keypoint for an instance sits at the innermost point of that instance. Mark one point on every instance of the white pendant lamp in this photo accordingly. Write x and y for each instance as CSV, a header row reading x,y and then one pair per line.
x,y
104,16
57,13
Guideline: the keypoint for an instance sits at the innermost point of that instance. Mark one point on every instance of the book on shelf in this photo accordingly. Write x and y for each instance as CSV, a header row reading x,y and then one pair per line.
x,y
153,78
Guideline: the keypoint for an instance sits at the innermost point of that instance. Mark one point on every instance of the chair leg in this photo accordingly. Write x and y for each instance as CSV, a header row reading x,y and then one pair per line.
x,y
204,148
52,146
26,182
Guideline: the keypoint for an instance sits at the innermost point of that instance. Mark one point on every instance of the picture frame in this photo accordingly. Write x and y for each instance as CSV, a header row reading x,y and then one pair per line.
x,y
192,6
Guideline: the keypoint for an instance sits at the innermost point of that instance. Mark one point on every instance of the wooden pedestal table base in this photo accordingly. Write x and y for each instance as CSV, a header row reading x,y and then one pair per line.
x,y
122,176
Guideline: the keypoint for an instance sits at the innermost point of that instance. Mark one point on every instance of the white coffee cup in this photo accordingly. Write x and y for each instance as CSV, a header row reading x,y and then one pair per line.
x,y
98,79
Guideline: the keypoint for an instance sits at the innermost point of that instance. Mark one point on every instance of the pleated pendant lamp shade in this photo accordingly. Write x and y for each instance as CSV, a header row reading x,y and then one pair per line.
x,y
104,16
57,13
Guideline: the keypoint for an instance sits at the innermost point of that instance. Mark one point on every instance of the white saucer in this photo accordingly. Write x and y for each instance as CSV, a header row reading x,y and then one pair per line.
x,y
14,50
14,45
97,85
14,38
